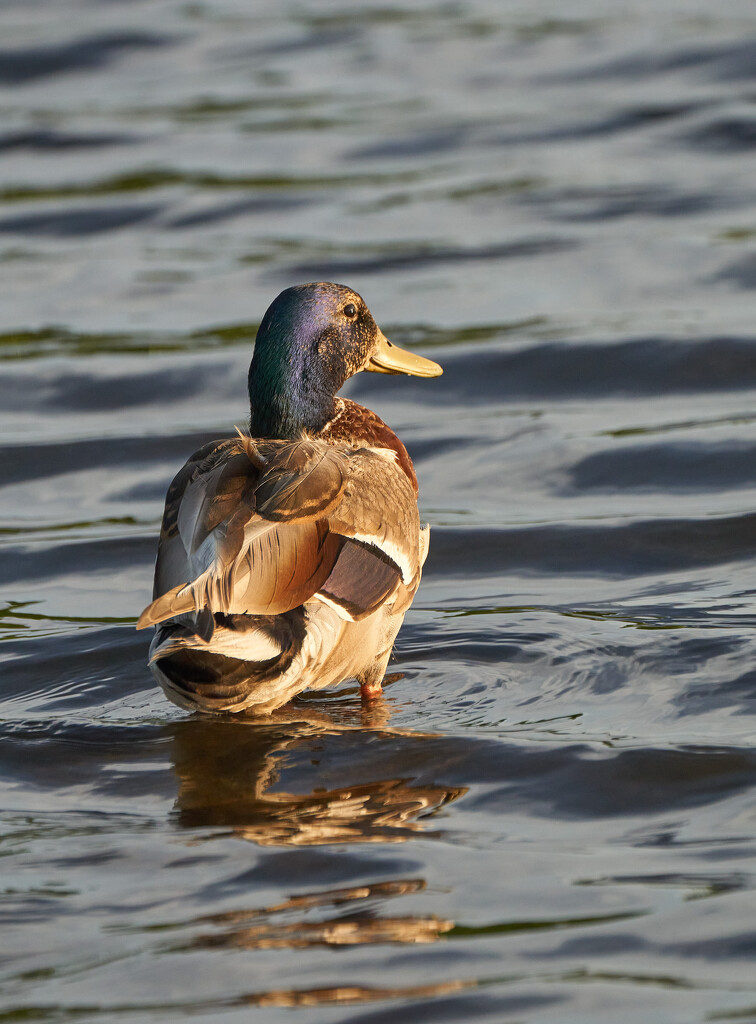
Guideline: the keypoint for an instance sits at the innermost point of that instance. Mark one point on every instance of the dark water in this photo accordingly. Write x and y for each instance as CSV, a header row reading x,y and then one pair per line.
x,y
550,818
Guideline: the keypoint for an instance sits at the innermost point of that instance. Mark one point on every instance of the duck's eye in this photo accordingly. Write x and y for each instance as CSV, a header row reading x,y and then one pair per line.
x,y
350,310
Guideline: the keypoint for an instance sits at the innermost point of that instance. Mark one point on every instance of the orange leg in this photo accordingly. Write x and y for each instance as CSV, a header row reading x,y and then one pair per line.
x,y
369,691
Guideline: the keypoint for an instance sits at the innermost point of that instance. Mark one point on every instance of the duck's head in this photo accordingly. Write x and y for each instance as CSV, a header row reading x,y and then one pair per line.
x,y
312,338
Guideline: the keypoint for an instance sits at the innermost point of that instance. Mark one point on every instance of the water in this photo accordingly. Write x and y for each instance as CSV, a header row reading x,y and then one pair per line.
x,y
550,816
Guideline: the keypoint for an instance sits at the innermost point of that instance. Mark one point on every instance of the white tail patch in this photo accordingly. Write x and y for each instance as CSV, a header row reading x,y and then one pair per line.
x,y
249,645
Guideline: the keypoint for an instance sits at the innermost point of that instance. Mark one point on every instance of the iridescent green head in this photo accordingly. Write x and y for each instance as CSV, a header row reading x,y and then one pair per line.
x,y
312,338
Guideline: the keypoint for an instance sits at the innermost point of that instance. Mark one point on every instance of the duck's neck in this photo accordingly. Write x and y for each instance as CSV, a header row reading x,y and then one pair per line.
x,y
289,395
287,415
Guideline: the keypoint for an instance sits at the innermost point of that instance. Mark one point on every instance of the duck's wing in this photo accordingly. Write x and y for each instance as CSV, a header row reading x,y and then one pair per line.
x,y
378,519
205,491
217,552
260,528
379,509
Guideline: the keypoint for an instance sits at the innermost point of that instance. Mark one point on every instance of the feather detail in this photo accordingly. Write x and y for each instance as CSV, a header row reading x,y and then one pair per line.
x,y
316,518
224,494
378,509
166,607
361,581
355,425
302,479
251,449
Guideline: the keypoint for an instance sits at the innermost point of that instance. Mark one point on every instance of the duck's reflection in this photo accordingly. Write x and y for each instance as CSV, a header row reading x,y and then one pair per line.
x,y
346,995
317,772
336,917
314,773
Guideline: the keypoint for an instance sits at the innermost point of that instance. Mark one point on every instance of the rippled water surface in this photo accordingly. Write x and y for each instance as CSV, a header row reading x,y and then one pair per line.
x,y
550,817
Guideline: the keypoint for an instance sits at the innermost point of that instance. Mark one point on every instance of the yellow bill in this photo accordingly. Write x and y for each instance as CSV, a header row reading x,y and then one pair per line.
x,y
388,358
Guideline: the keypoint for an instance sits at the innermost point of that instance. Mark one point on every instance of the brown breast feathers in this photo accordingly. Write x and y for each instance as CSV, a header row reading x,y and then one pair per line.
x,y
355,423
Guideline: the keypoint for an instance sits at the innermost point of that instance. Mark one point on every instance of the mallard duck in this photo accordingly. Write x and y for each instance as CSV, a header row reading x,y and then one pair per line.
x,y
288,556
